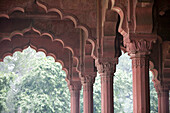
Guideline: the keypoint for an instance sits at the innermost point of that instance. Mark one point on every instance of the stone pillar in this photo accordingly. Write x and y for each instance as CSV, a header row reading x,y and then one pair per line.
x,y
159,102
106,71
87,82
141,92
75,88
139,50
163,100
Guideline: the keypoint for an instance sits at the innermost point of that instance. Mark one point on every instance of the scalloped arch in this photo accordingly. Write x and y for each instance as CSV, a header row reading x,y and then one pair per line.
x,y
121,14
154,72
93,48
37,50
21,33
20,9
52,55
74,19
63,16
111,6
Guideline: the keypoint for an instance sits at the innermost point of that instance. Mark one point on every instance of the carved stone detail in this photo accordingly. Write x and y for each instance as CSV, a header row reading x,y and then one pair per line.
x,y
87,78
108,67
74,86
142,62
139,46
161,88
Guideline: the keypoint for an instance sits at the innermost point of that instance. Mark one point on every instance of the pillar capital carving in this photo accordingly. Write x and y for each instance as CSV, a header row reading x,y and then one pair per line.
x,y
140,47
161,88
88,78
107,66
74,85
141,62
139,44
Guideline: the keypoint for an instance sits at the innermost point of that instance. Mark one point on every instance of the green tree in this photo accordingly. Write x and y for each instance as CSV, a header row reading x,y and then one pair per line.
x,y
97,95
123,96
32,82
40,85
5,79
44,89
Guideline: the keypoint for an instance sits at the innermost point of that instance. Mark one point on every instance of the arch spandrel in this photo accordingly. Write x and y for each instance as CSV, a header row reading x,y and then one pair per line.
x,y
39,42
72,26
154,72
45,29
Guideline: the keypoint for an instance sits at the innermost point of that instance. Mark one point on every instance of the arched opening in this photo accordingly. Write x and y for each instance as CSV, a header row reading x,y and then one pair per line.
x,y
123,91
123,88
32,82
97,95
153,95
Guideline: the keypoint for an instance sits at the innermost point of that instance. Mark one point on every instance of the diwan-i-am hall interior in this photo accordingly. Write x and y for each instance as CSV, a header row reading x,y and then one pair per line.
x,y
87,36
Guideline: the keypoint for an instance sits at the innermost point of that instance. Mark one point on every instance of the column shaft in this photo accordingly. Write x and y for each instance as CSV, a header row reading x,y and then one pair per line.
x,y
159,102
141,93
163,102
75,101
107,94
88,97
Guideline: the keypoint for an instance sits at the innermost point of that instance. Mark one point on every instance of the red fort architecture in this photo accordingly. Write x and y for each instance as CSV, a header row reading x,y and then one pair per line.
x,y
87,36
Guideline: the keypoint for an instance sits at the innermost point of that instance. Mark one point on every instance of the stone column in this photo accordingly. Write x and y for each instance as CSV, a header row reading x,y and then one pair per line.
x,y
163,100
139,50
141,92
87,82
75,88
106,71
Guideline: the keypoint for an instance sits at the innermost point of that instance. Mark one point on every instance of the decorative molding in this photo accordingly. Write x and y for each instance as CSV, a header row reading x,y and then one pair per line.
x,y
74,86
121,14
140,46
15,9
87,78
119,9
28,42
106,67
63,16
154,72
139,43
139,62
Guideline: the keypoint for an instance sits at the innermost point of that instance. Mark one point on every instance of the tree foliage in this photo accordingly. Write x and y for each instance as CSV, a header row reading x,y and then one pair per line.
x,y
30,82
40,86
46,85
5,79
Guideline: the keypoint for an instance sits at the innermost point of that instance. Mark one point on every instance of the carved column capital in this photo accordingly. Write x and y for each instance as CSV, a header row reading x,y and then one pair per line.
x,y
161,88
74,85
141,47
141,62
139,44
87,78
107,66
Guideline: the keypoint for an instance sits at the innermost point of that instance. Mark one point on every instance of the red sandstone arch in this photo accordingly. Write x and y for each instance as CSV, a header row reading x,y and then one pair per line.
x,y
63,16
154,72
121,11
41,42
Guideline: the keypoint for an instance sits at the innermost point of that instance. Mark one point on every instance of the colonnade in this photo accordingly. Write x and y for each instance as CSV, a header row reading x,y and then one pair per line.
x,y
141,92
